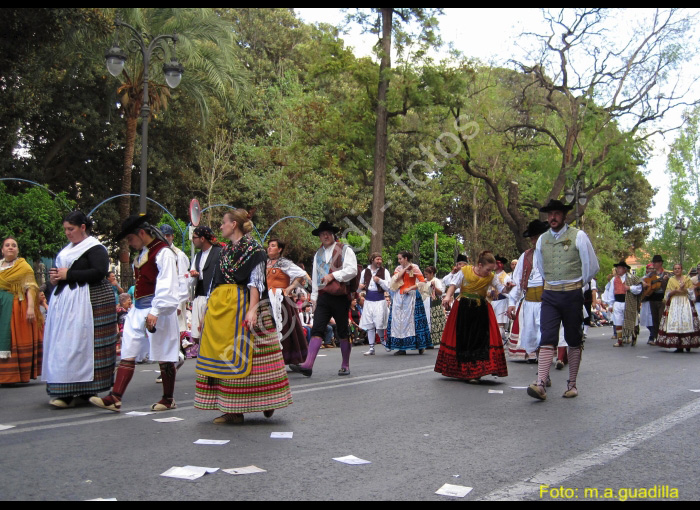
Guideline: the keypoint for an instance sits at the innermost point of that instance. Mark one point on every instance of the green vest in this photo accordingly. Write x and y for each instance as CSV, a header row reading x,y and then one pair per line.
x,y
560,257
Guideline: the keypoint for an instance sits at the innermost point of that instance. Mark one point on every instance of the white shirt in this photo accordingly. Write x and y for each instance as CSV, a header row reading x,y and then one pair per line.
x,y
383,284
202,263
589,261
495,282
346,273
535,280
166,296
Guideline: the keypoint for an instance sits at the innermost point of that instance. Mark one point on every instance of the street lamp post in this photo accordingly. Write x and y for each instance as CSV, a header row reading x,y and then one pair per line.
x,y
116,58
681,229
576,193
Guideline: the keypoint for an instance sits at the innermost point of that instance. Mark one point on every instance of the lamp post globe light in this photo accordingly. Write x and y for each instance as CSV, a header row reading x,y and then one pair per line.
x,y
115,59
681,229
576,194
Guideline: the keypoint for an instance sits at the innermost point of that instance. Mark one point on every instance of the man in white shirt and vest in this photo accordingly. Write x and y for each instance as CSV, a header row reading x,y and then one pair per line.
x,y
566,259
335,264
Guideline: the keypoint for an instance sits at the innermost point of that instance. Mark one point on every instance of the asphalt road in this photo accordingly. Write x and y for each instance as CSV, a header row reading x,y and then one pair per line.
x,y
633,426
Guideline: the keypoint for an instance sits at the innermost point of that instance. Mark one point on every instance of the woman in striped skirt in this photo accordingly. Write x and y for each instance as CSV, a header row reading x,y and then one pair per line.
x,y
240,368
21,322
80,338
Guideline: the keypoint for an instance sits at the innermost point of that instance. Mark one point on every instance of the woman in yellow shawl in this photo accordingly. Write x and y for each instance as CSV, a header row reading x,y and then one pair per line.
x,y
471,345
21,322
679,325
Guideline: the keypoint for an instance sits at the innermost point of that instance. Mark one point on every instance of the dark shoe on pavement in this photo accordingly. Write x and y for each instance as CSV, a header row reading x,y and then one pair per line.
x,y
344,371
399,353
300,370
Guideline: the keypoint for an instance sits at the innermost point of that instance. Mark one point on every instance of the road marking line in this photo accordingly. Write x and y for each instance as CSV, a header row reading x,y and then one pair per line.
x,y
101,417
604,453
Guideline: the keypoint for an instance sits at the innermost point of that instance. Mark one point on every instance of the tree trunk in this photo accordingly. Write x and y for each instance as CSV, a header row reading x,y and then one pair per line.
x,y
125,202
381,142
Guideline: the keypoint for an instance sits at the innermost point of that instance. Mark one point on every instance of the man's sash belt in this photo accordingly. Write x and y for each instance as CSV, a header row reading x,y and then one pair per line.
x,y
564,286
534,294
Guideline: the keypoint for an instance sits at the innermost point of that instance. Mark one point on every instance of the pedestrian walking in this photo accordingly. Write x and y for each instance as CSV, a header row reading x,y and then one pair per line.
x,y
240,368
565,257
408,324
21,322
151,324
375,280
80,338
679,327
335,265
471,345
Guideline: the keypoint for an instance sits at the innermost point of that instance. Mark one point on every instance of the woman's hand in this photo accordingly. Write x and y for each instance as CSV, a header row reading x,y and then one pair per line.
x,y
30,315
251,318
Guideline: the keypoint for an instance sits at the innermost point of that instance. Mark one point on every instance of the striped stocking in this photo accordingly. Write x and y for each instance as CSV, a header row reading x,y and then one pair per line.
x,y
544,362
574,362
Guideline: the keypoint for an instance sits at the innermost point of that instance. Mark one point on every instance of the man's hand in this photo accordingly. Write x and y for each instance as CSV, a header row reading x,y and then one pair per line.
x,y
511,312
327,279
151,321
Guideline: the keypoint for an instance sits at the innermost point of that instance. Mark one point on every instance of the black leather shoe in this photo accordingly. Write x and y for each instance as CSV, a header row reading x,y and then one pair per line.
x,y
344,371
303,371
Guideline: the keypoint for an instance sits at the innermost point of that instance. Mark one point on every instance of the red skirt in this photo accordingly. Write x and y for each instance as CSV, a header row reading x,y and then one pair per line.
x,y
447,363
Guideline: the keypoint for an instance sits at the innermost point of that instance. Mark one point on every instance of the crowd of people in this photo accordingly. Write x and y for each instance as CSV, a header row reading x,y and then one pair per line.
x,y
249,315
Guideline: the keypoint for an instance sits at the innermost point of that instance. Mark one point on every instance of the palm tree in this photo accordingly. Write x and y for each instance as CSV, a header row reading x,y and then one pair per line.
x,y
206,48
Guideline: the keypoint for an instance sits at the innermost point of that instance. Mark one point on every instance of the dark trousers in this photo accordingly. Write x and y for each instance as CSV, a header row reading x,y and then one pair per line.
x,y
657,311
565,307
328,306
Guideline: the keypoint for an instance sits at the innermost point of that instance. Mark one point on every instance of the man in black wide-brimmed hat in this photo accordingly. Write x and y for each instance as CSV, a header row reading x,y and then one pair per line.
x,y
525,332
335,264
565,257
151,324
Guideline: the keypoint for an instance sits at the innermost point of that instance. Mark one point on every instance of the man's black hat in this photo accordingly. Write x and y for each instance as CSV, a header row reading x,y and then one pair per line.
x,y
130,225
556,205
657,258
325,226
462,258
536,228
500,259
622,263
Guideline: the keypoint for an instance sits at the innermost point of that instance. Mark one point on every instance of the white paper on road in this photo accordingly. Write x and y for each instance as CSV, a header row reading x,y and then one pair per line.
x,y
321,355
500,392
518,387
247,470
694,391
139,413
5,427
102,499
351,459
458,491
643,357
212,441
281,435
185,472
167,420
203,470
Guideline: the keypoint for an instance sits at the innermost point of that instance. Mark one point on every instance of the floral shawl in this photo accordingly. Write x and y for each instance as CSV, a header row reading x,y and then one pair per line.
x,y
237,261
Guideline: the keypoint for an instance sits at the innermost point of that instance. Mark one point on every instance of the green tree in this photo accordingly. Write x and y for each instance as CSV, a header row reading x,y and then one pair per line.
x,y
35,219
581,98
684,200
207,51
385,22
423,234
